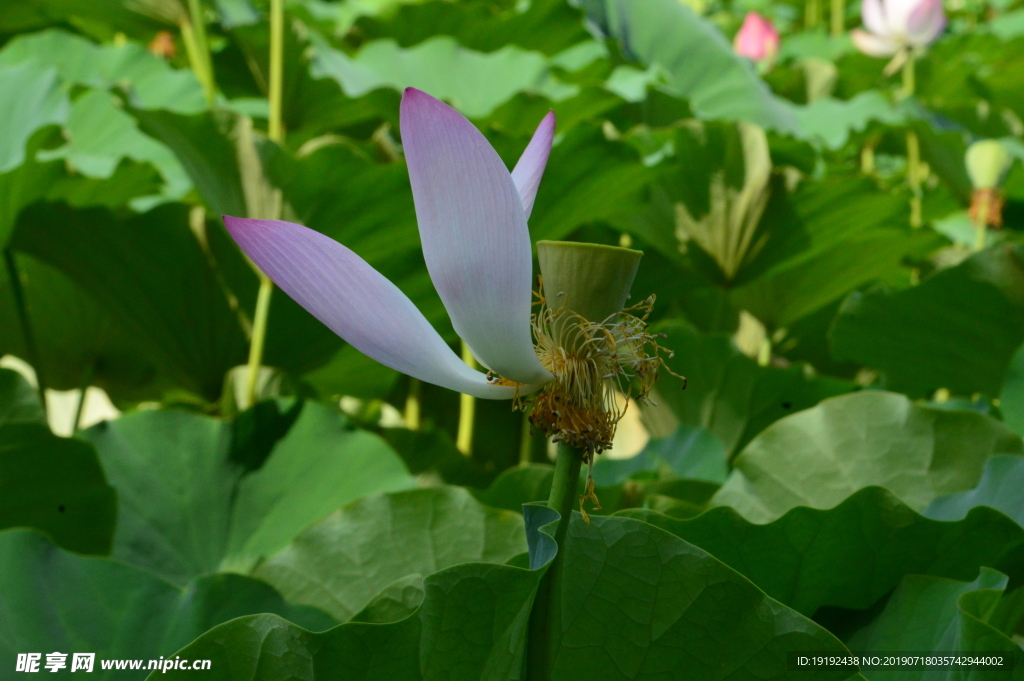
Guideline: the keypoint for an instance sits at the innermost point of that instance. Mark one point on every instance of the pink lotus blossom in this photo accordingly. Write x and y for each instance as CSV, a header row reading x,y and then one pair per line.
x,y
472,219
897,25
757,38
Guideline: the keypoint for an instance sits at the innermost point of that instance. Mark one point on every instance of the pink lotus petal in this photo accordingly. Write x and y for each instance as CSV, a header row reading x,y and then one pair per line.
x,y
873,45
473,229
926,23
530,168
358,303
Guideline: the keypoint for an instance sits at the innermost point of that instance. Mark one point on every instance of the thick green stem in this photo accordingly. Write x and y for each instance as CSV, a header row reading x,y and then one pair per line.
x,y
562,499
275,132
467,410
525,442
838,17
21,305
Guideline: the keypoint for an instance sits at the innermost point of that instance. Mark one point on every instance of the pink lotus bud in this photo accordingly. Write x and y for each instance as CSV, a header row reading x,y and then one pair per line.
x,y
757,38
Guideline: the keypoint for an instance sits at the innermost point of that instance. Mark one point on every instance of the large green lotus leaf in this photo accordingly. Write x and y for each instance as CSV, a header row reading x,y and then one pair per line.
x,y
851,555
1000,488
633,602
1011,400
689,452
958,329
30,97
932,614
25,184
202,146
151,275
822,455
56,485
700,64
548,26
150,81
77,339
830,122
727,393
342,562
54,600
841,232
19,401
474,82
188,507
519,485
587,179
100,134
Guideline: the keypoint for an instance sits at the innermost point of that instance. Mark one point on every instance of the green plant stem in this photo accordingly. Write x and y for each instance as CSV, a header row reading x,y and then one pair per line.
x,y
562,499
193,34
21,305
525,442
87,377
838,17
812,14
913,150
981,222
275,126
467,410
275,131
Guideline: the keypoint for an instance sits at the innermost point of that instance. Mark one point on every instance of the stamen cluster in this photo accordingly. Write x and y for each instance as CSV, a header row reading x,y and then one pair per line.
x,y
591,362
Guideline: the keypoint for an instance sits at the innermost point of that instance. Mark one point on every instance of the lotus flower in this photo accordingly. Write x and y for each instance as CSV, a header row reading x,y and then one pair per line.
x,y
472,220
757,38
898,25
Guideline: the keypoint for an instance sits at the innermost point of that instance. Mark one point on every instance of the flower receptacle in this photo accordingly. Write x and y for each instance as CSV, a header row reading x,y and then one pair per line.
x,y
591,280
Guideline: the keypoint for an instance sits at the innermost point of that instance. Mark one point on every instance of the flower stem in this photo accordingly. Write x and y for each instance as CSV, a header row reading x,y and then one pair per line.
x,y
275,127
275,131
467,410
561,499
21,305
981,221
193,34
838,17
913,149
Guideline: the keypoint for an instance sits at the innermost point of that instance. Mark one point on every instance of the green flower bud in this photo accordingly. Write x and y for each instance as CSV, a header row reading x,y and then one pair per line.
x,y
987,163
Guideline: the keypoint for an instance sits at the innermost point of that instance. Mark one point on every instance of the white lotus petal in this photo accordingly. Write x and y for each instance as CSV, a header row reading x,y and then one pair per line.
x,y
873,45
873,15
897,12
473,228
530,168
358,303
